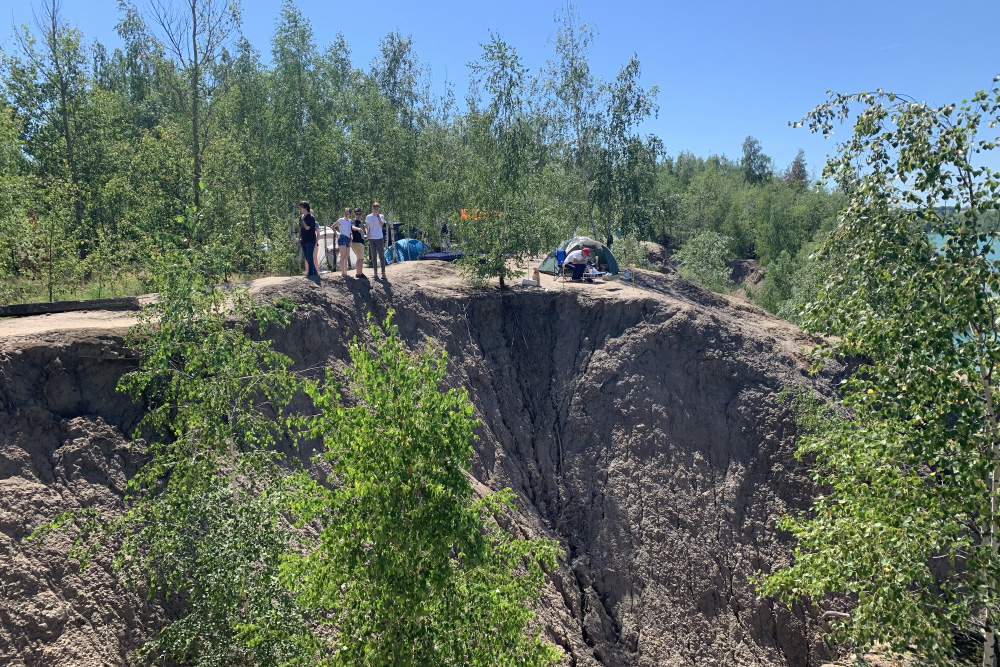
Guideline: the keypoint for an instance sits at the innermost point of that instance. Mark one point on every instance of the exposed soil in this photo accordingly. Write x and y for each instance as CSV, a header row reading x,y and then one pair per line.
x,y
746,272
638,424
659,256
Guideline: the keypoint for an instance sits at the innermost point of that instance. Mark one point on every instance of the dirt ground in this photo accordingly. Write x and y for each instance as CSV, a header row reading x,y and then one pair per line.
x,y
637,423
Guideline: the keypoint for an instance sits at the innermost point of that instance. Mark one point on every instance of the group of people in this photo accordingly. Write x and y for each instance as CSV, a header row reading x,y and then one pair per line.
x,y
351,232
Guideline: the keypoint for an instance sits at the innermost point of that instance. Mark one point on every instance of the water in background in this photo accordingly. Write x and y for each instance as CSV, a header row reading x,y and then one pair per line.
x,y
993,255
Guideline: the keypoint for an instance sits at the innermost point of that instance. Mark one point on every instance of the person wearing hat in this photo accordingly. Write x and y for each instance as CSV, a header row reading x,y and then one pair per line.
x,y
578,260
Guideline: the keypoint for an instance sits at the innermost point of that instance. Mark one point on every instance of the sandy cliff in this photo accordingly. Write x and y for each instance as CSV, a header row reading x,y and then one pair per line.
x,y
639,426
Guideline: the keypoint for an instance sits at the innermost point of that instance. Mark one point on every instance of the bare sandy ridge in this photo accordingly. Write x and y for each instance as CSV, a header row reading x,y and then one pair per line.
x,y
440,277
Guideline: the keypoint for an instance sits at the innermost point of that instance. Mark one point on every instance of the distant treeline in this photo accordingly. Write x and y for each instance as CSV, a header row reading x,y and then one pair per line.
x,y
183,137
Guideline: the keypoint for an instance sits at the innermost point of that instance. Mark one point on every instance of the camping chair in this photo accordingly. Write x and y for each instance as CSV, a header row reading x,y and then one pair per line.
x,y
560,262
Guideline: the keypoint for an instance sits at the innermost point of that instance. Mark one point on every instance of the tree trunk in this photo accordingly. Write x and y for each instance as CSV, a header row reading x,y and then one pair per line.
x,y
61,75
301,130
195,73
74,175
989,657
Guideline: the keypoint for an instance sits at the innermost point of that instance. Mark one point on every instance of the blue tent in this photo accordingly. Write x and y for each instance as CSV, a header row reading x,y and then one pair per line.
x,y
405,250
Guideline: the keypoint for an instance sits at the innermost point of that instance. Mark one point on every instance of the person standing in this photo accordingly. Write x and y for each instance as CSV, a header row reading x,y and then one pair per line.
x,y
358,242
307,237
375,228
344,240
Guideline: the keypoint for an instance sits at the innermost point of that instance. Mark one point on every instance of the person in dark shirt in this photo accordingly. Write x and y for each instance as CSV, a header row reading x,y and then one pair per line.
x,y
307,236
358,242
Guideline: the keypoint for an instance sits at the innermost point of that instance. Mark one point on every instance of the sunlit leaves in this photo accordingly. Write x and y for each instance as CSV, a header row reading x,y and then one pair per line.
x,y
407,565
905,524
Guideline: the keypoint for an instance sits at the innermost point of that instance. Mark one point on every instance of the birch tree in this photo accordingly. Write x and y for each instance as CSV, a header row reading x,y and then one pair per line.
x,y
504,227
907,523
193,34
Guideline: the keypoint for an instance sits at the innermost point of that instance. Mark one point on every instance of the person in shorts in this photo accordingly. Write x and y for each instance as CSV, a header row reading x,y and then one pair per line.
x,y
375,229
358,242
343,227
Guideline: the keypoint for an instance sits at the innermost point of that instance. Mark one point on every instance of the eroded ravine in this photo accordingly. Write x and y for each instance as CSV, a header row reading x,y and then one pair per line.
x,y
640,428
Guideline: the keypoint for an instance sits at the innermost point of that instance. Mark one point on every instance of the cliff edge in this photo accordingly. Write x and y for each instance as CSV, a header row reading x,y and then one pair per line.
x,y
640,426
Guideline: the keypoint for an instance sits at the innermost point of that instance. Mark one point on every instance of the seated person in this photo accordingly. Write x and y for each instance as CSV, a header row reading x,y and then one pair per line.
x,y
578,261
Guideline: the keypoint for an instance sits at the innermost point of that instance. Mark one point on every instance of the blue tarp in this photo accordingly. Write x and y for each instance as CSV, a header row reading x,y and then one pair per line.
x,y
405,250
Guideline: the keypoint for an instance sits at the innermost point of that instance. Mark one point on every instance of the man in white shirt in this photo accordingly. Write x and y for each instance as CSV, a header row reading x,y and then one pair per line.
x,y
375,229
578,261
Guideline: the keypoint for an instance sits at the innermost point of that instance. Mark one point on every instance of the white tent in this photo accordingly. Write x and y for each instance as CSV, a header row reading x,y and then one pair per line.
x,y
326,250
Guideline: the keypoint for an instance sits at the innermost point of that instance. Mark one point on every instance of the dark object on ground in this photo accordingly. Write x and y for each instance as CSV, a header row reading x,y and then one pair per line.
x,y
445,256
118,303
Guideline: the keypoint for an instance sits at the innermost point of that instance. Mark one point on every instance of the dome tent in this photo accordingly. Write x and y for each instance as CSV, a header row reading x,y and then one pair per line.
x,y
600,252
404,250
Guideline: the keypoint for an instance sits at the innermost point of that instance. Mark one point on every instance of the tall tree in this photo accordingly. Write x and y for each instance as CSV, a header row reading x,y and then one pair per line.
x,y
578,116
796,172
503,227
394,101
53,78
293,52
628,175
908,525
442,165
194,33
756,166
16,196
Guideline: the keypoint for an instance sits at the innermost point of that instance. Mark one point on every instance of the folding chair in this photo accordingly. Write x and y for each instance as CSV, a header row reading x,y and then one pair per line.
x,y
560,262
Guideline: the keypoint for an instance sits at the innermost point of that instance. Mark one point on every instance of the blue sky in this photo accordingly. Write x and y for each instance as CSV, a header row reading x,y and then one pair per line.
x,y
725,70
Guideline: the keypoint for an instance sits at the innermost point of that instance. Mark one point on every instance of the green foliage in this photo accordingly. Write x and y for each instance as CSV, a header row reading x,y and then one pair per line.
x,y
149,138
380,555
509,217
406,566
629,251
796,173
907,525
17,189
202,522
703,259
777,288
756,166
776,221
625,188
